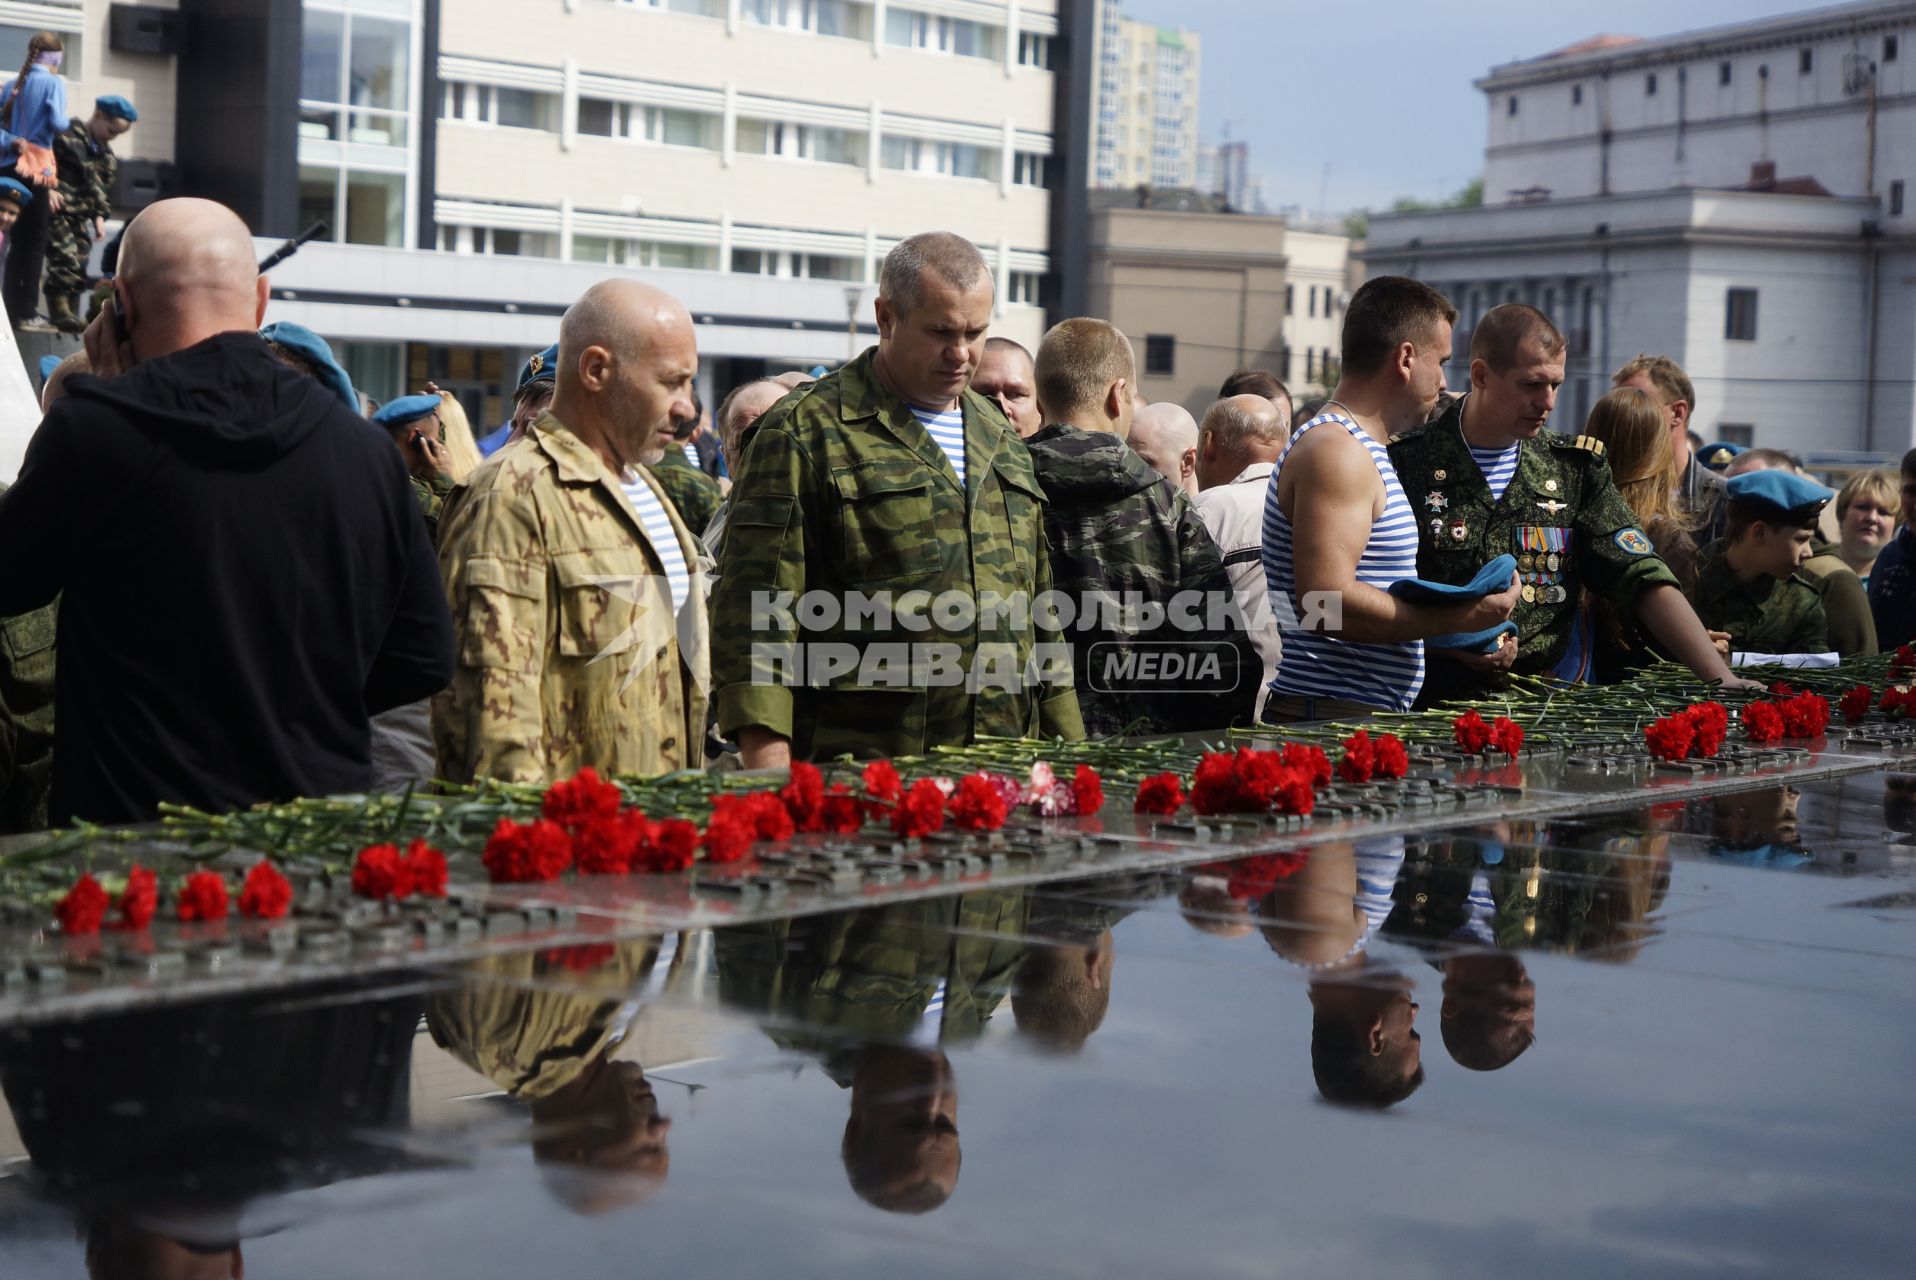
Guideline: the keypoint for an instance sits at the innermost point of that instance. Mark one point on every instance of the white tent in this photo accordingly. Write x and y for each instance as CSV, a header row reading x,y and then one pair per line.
x,y
19,406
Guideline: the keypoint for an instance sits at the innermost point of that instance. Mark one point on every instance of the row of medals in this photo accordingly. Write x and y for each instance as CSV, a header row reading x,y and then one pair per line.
x,y
1548,589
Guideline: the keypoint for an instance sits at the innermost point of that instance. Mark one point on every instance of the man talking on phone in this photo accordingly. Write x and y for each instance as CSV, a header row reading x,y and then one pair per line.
x,y
244,575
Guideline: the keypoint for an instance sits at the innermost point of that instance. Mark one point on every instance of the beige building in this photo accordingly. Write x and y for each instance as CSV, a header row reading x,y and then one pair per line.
x,y
1145,119
1318,284
1199,294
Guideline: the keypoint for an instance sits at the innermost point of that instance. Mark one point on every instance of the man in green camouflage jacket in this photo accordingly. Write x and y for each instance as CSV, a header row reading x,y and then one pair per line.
x,y
1486,480
861,500
1123,542
84,154
695,494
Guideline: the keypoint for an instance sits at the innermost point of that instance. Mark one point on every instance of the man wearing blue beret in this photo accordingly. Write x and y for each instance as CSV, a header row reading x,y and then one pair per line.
x,y
1747,581
413,423
87,167
537,378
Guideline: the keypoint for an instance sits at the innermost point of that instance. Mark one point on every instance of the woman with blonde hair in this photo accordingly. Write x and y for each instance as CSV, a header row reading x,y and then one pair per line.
x,y
455,432
1866,509
1636,442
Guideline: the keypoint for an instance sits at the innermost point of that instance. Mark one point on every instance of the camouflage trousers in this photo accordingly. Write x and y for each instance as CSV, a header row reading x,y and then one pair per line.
x,y
69,241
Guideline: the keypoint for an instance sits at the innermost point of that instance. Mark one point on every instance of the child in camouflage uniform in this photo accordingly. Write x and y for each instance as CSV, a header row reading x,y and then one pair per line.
x,y
87,167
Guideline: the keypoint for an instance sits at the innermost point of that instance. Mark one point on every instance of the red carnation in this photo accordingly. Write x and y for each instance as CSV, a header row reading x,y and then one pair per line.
x,y
882,782
1711,721
803,795
922,811
1087,790
728,836
1392,760
1671,737
581,800
1762,722
1856,703
1160,793
762,811
140,899
266,894
673,846
1781,689
1213,785
526,853
203,897
83,908
841,812
1359,760
1472,734
1805,716
604,846
1260,775
1311,760
977,804
1905,658
378,873
425,870
1506,735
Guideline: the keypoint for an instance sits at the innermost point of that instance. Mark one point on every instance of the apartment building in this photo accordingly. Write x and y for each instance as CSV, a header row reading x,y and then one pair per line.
x,y
1146,121
480,162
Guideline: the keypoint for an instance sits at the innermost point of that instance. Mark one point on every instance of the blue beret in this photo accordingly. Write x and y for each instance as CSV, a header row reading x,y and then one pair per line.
x,y
13,189
1490,579
543,367
1718,456
117,107
300,340
1781,493
397,413
47,365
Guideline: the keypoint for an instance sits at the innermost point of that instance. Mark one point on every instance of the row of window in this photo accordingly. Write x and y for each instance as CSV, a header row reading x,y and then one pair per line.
x,y
849,19
1315,297
703,130
1023,288
1725,73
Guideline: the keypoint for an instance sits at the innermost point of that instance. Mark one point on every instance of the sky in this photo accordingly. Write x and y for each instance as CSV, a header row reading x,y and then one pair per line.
x,y
1380,90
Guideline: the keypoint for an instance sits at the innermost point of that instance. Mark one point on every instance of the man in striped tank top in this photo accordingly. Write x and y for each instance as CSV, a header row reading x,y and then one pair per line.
x,y
1338,529
576,589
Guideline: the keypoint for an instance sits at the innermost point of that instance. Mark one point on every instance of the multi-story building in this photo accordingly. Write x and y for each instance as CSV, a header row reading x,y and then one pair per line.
x,y
1225,172
480,163
1317,286
1735,198
1145,127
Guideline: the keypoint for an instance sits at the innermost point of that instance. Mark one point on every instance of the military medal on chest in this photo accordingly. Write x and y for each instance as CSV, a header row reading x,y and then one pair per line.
x,y
1541,555
1436,501
1459,530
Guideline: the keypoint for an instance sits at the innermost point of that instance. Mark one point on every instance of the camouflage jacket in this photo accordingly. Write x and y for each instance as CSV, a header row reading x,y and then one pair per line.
x,y
695,494
1845,602
1561,516
841,492
1118,529
529,1023
26,718
1764,616
86,172
432,495
567,651
871,974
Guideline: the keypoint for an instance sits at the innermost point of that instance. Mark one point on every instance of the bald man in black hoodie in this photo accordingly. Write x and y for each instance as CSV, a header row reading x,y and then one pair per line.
x,y
246,575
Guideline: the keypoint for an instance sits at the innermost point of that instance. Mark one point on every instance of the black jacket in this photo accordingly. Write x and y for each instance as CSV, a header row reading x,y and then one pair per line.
x,y
246,580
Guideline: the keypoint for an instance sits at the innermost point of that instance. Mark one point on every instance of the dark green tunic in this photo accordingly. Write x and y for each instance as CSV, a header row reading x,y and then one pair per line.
x,y
1764,616
1561,516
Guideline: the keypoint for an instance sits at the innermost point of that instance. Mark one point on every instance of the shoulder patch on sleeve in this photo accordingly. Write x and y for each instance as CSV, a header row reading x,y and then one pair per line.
x,y
1633,541
1590,444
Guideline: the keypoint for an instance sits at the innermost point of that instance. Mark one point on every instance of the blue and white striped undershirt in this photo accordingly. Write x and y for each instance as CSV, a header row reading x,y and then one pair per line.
x,y
658,530
947,431
1499,467
1316,665
692,455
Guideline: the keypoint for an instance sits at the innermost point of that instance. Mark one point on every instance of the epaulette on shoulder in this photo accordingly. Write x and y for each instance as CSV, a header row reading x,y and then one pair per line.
x,y
1410,434
1590,444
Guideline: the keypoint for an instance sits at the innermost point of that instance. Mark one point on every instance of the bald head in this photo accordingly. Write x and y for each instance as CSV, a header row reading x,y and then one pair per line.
x,y
1166,435
187,272
742,408
1237,432
627,359
57,380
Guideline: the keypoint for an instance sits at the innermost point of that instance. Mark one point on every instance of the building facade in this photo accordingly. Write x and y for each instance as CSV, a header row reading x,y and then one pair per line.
x,y
1147,103
1317,288
1734,198
479,163
1200,294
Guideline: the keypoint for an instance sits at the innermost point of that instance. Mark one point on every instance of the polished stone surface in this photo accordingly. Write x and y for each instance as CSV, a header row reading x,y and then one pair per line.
x,y
1672,1041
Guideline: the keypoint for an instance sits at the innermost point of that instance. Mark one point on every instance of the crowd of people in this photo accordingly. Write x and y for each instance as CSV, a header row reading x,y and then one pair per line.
x,y
260,590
